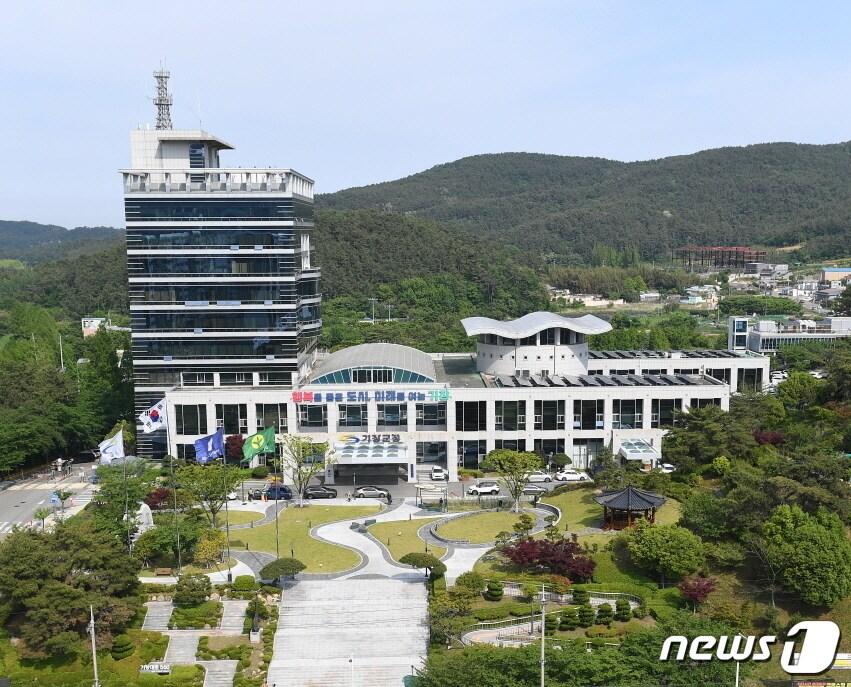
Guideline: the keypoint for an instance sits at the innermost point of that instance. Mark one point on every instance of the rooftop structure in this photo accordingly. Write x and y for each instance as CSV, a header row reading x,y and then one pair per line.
x,y
766,336
220,267
705,258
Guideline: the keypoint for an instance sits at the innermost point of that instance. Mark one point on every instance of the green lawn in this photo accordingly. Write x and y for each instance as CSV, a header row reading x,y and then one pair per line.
x,y
77,670
579,510
294,526
196,617
243,517
481,528
400,537
185,569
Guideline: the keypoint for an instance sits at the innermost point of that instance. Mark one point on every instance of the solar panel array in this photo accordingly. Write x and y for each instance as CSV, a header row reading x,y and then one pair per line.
x,y
563,381
666,355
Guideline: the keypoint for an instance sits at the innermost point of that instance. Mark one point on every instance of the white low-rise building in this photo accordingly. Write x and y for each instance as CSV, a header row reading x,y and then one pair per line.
x,y
767,336
390,412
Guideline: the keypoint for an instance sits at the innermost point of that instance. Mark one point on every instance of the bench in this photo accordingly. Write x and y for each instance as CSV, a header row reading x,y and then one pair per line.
x,y
163,572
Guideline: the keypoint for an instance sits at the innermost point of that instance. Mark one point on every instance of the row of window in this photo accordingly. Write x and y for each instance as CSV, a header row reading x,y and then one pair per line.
x,y
223,238
548,337
217,208
182,264
470,416
372,375
254,347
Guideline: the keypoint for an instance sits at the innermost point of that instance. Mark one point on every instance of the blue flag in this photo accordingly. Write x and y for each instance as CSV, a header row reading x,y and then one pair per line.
x,y
210,447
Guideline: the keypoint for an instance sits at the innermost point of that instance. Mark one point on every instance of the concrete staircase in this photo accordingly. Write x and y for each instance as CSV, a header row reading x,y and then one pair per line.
x,y
182,647
158,615
219,673
233,615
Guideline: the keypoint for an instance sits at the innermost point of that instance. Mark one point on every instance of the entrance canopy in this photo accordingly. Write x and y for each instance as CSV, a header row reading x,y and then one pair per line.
x,y
638,449
371,454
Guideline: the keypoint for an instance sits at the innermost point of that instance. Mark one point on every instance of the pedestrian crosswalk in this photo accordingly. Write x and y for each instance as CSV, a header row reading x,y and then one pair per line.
x,y
6,527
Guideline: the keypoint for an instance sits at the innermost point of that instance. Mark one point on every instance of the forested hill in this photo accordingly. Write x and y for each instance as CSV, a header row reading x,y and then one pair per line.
x,y
774,193
32,242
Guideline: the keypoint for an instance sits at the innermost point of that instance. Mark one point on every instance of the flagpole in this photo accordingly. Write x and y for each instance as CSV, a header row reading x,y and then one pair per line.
x,y
96,682
278,484
126,492
227,511
174,491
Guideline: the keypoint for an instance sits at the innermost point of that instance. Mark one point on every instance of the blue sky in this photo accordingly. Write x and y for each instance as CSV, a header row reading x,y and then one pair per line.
x,y
353,93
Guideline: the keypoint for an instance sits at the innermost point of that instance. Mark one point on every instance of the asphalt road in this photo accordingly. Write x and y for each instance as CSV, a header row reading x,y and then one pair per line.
x,y
19,500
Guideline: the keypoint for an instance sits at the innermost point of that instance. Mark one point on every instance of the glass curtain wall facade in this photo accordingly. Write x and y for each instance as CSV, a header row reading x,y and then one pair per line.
x,y
221,281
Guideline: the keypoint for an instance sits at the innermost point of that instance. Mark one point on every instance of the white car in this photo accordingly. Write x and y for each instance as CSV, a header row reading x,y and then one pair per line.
x,y
488,487
438,474
233,496
667,468
569,475
539,476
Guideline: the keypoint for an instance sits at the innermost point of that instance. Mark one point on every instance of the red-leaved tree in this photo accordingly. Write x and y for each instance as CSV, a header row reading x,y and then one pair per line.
x,y
233,446
158,497
696,589
564,557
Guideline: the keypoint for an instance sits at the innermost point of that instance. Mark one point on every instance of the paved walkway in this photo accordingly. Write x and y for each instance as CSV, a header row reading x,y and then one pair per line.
x,y
233,615
157,615
350,633
218,577
219,673
182,646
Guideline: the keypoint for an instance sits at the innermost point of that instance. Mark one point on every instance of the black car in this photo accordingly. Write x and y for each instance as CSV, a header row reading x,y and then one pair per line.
x,y
280,492
320,492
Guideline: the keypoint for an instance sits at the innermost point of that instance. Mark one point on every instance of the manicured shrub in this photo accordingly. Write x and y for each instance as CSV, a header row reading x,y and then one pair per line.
x,y
580,596
586,615
569,619
471,581
639,612
260,472
282,567
244,583
494,591
604,614
551,623
122,647
191,590
623,611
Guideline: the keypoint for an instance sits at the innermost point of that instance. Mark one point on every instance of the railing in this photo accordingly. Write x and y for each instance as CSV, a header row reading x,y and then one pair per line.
x,y
216,179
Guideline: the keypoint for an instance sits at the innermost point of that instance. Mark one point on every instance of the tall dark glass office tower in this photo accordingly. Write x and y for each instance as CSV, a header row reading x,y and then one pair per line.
x,y
223,291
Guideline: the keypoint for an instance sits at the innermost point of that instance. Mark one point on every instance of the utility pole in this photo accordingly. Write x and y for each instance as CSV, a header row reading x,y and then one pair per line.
x,y
61,355
227,512
388,312
174,491
543,624
373,309
96,682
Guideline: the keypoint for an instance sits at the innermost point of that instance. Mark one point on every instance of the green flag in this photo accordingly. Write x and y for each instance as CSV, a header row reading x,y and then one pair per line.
x,y
262,442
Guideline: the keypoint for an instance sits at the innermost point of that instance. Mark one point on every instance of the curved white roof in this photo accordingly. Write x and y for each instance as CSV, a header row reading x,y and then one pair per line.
x,y
380,355
533,323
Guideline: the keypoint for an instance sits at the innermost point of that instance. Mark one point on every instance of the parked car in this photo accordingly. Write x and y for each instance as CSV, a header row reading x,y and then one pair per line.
x,y
278,492
233,496
569,475
667,468
371,492
534,490
439,474
319,491
256,494
539,476
485,488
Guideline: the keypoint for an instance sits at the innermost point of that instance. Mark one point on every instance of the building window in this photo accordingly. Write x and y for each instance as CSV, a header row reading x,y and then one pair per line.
x,y
548,337
704,402
749,380
431,415
510,444
627,413
720,373
687,371
236,379
392,415
471,453
663,411
186,451
741,325
584,452
588,414
470,416
547,448
431,452
197,378
549,415
313,415
191,419
510,416
353,415
233,418
272,415
655,371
